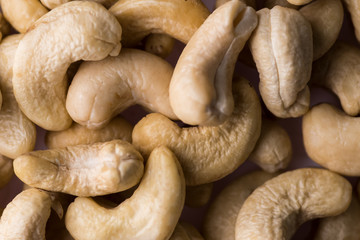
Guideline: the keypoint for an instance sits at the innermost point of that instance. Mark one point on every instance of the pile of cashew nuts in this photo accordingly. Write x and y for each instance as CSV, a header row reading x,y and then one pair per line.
x,y
146,116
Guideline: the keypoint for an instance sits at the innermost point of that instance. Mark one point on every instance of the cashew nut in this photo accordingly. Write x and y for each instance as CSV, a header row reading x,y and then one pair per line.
x,y
118,128
134,76
198,196
250,3
277,208
353,7
273,150
159,44
330,139
176,18
219,221
200,94
284,3
51,4
185,231
299,2
152,212
17,132
60,37
6,170
282,49
206,153
82,170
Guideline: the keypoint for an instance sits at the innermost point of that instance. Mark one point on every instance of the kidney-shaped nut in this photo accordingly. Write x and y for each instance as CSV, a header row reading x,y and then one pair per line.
x,y
159,44
326,18
282,48
152,212
185,231
118,128
206,153
176,18
25,216
220,218
71,32
200,94
6,170
273,150
101,90
198,196
353,7
51,4
330,139
277,208
82,170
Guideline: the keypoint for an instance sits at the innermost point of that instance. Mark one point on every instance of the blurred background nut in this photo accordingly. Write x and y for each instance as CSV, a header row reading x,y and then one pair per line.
x,y
6,170
185,231
198,196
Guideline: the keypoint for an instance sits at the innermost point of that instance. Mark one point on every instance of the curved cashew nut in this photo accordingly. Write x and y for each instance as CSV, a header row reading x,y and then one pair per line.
x,y
328,134
353,7
200,94
6,170
17,132
299,2
159,44
207,153
220,218
273,150
118,128
326,18
198,196
185,231
277,208
26,215
176,18
57,39
284,3
150,213
250,3
82,170
51,4
282,50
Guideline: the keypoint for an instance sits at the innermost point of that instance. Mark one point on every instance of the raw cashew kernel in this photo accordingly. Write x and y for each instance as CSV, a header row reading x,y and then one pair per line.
x,y
151,213
103,89
299,2
82,170
71,32
185,231
6,170
277,208
353,7
200,94
198,196
159,44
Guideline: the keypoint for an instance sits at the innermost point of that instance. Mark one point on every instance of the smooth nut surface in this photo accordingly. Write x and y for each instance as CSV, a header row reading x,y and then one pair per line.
x,y
299,2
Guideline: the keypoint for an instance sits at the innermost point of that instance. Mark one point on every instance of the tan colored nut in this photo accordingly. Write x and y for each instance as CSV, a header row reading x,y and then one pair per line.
x,y
21,14
151,213
353,6
277,208
273,150
200,94
176,18
326,18
185,231
103,89
250,3
284,3
206,153
220,218
57,39
198,196
25,216
159,44
299,2
4,26
82,170
338,71
118,128
283,51
330,139
17,132
51,4
344,226
6,170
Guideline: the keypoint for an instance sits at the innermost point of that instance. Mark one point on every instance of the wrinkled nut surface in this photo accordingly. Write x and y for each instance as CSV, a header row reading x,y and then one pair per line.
x,y
51,4
6,170
82,170
200,94
118,128
273,150
326,18
198,196
353,7
277,208
220,218
71,32
338,71
25,216
152,212
100,90
206,153
282,48
176,18
159,44
17,132
185,231
330,139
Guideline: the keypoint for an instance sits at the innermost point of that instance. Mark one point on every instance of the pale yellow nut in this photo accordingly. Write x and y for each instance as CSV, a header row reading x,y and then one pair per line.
x,y
250,3
51,4
219,221
176,18
71,32
6,170
200,94
276,209
330,139
299,2
118,128
353,6
25,216
206,153
282,48
185,231
284,3
198,196
82,170
159,44
151,213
